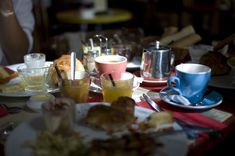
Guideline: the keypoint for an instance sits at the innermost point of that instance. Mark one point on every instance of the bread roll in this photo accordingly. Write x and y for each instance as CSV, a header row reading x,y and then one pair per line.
x,y
64,65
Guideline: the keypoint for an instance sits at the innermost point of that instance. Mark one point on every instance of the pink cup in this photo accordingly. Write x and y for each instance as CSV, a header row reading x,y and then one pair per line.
x,y
108,63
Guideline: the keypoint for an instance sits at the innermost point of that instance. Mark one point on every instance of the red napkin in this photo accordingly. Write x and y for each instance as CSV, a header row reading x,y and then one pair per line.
x,y
3,111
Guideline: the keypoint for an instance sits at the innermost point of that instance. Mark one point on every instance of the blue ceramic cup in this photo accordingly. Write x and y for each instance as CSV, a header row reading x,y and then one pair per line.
x,y
191,81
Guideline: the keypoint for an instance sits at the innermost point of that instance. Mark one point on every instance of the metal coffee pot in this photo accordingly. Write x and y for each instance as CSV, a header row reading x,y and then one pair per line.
x,y
156,62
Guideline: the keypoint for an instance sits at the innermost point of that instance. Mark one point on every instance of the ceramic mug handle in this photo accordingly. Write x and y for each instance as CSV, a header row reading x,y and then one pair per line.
x,y
137,82
174,83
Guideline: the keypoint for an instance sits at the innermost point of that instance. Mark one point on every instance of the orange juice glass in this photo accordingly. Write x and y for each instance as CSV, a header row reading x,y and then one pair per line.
x,y
77,89
122,85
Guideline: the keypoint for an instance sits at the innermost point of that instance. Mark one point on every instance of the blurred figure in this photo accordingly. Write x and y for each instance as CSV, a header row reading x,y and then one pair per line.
x,y
16,26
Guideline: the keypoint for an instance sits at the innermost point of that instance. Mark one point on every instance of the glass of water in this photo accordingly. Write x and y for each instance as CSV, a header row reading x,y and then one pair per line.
x,y
35,60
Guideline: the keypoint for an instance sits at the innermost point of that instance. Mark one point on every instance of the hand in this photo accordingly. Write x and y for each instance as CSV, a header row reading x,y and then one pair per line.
x,y
6,7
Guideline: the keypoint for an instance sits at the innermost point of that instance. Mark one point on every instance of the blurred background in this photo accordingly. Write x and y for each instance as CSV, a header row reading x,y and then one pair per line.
x,y
213,20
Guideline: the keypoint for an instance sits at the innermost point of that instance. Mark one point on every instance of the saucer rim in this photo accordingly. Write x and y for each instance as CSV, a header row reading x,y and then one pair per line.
x,y
200,107
154,81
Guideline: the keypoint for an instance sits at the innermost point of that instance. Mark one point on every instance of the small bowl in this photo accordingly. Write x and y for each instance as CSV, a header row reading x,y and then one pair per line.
x,y
35,102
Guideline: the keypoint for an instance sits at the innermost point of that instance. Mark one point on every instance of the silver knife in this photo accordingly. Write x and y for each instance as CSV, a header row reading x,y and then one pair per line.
x,y
153,104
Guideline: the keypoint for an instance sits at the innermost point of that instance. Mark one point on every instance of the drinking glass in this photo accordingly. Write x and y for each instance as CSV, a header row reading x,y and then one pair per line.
x,y
34,79
35,60
116,84
77,89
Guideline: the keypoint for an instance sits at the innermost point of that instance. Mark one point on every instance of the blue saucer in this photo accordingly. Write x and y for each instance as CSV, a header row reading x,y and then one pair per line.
x,y
211,100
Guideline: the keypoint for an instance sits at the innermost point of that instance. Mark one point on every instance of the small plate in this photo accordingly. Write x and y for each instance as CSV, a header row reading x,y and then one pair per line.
x,y
155,81
35,102
213,99
151,82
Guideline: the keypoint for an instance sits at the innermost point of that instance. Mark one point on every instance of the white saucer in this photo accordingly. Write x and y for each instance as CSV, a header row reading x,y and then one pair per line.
x,y
35,102
155,81
213,99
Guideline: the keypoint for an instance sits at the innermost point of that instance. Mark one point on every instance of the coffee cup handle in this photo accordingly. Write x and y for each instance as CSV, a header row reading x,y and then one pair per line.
x,y
174,83
137,82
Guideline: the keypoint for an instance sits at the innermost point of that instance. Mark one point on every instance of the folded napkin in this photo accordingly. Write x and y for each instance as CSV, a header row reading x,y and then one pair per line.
x,y
3,111
179,99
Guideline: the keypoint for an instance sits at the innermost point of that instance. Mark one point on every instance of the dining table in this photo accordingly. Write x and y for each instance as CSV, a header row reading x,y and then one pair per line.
x,y
113,15
220,117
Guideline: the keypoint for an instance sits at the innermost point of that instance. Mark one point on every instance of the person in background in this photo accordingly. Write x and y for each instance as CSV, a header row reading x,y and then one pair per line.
x,y
16,27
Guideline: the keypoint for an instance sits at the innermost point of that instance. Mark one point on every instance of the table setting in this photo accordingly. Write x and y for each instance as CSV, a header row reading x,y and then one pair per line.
x,y
171,105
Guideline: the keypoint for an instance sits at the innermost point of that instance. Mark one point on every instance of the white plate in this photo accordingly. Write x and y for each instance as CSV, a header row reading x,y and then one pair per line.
x,y
134,63
224,81
212,100
17,80
176,142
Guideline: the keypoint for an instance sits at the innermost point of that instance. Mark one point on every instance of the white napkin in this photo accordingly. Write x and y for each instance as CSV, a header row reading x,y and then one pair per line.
x,y
179,99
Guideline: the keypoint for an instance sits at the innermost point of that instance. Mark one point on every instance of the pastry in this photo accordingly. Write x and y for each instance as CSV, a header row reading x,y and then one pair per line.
x,y
217,62
157,119
6,74
112,118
